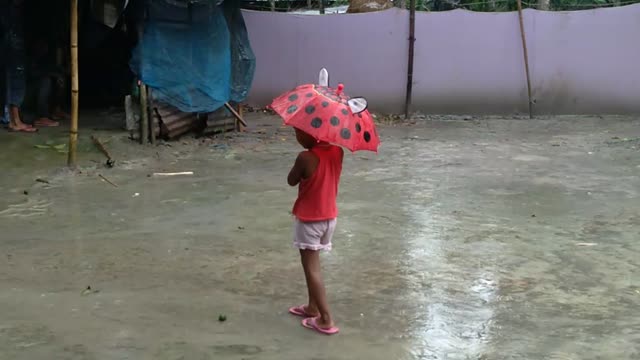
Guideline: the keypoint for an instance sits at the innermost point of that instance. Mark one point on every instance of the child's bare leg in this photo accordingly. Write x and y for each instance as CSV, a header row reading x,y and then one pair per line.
x,y
312,305
315,285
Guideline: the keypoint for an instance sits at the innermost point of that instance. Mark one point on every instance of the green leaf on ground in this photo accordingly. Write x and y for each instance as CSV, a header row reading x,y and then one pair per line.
x,y
58,148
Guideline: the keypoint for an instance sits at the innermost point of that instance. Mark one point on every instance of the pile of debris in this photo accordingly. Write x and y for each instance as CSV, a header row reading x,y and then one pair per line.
x,y
169,123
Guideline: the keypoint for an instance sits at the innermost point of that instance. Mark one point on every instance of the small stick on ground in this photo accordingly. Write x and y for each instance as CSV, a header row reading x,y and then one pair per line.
x,y
174,173
42,181
103,149
107,180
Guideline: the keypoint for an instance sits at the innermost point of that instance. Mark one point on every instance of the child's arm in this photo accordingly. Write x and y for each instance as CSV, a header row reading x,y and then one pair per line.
x,y
302,168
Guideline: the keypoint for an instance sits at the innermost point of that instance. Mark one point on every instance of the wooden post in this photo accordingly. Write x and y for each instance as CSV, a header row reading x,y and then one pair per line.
x,y
73,129
144,111
152,119
526,58
144,114
321,3
239,126
412,40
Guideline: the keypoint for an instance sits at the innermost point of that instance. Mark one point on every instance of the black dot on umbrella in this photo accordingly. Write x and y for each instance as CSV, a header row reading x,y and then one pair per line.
x,y
310,109
360,115
309,95
358,127
345,112
325,103
345,133
293,97
367,136
316,123
292,109
334,121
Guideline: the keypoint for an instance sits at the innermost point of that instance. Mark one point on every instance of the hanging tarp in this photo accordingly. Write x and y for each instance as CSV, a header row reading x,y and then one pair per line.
x,y
243,60
186,55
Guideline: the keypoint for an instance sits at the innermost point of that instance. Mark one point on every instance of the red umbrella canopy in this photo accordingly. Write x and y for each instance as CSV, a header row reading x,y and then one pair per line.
x,y
329,115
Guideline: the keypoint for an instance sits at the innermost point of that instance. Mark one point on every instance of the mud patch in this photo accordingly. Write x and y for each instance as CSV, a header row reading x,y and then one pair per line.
x,y
235,349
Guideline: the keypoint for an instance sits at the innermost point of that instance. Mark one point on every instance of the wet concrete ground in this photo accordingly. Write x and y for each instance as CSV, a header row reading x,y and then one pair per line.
x,y
482,239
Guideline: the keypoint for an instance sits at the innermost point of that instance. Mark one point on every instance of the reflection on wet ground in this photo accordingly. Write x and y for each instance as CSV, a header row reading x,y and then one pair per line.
x,y
491,239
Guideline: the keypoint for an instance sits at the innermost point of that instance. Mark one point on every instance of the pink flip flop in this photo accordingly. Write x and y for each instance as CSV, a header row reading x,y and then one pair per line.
x,y
44,122
24,129
300,311
311,323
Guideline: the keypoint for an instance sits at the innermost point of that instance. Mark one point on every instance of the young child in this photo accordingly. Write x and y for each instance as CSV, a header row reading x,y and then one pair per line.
x,y
317,173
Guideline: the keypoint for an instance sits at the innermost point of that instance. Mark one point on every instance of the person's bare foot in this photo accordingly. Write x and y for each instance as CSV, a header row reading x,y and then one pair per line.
x,y
46,122
15,122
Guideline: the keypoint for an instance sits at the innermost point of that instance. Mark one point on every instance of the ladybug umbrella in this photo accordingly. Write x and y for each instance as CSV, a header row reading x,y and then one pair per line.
x,y
329,115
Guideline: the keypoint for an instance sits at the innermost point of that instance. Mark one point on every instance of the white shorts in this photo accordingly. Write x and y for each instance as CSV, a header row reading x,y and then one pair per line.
x,y
315,235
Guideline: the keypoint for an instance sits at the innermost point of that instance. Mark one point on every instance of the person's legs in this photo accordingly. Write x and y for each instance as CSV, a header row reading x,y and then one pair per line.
x,y
44,95
3,82
57,99
15,89
311,309
315,286
45,87
311,238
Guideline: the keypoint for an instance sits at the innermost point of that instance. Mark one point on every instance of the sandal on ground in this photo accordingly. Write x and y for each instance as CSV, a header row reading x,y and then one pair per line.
x,y
24,129
46,123
312,323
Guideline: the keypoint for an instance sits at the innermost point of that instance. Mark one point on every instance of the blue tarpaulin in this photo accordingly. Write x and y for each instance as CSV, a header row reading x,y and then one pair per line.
x,y
195,56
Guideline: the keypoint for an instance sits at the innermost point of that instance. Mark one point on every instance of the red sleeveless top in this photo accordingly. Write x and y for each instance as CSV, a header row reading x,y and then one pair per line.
x,y
317,194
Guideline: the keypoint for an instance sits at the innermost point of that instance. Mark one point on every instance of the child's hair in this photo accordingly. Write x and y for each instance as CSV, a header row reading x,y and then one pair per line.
x,y
307,141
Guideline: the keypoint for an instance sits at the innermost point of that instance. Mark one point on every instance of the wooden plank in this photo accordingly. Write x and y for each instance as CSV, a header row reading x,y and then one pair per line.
x,y
235,113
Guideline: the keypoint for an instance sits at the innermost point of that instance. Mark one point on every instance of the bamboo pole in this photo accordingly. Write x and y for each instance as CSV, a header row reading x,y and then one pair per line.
x,y
412,40
526,58
73,130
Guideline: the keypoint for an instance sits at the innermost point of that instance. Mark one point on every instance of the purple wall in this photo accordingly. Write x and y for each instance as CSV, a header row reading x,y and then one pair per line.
x,y
465,62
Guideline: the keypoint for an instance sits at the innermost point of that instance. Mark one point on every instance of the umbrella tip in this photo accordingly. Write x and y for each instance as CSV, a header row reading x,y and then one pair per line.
x,y
340,88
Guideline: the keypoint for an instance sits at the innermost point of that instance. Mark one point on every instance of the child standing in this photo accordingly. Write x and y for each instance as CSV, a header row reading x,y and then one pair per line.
x,y
317,173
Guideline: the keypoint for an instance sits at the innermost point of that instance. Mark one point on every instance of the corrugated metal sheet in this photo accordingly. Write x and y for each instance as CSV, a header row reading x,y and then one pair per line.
x,y
173,122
